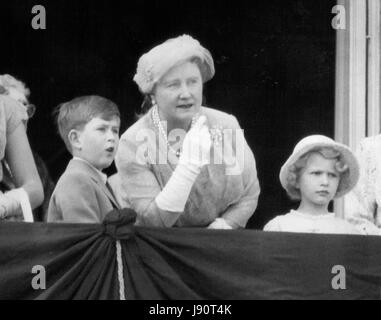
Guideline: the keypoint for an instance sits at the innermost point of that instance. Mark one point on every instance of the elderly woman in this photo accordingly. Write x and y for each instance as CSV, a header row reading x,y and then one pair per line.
x,y
363,204
183,164
15,149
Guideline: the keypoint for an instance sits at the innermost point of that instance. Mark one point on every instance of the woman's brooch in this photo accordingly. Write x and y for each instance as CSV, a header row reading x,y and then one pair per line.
x,y
216,133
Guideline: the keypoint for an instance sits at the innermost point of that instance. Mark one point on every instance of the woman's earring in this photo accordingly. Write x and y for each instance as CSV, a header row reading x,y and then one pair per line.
x,y
153,101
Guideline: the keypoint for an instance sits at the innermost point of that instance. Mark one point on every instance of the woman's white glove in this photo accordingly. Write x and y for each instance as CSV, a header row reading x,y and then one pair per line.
x,y
195,154
196,146
220,223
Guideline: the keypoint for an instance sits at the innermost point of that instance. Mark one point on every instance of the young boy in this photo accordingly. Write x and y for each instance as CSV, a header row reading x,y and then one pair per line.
x,y
89,126
318,171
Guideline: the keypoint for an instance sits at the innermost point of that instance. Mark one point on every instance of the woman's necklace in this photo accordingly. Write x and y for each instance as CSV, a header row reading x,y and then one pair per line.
x,y
157,122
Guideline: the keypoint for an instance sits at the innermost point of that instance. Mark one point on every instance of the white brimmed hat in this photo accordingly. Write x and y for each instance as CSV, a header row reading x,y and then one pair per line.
x,y
347,182
156,62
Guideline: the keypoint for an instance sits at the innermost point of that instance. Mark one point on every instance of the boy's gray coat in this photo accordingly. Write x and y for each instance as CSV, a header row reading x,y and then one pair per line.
x,y
80,196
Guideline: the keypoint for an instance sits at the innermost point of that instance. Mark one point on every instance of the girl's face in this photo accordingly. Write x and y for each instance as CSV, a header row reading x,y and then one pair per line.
x,y
318,181
178,94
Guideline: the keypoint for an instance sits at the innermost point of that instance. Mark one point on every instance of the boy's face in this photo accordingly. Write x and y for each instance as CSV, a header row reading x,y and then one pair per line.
x,y
318,181
98,142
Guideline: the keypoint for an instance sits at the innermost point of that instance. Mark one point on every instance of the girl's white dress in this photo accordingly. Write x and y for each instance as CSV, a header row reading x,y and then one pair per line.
x,y
296,221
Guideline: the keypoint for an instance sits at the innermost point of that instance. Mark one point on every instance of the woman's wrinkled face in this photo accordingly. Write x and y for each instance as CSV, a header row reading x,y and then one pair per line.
x,y
178,93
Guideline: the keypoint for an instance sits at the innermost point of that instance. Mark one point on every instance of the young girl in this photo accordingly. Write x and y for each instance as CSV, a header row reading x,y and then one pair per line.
x,y
318,171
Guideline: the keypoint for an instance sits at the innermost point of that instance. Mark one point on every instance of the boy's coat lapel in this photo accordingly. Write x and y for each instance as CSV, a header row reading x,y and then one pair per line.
x,y
96,178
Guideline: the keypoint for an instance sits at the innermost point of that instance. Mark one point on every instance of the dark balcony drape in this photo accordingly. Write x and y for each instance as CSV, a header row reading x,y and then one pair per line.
x,y
80,262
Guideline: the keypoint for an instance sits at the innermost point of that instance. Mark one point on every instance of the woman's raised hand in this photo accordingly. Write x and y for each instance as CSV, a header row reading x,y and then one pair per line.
x,y
196,145
195,154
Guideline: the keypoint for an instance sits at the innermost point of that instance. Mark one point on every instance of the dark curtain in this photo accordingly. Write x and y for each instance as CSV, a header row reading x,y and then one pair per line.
x,y
80,262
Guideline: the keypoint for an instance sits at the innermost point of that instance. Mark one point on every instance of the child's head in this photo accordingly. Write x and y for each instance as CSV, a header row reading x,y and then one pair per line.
x,y
316,176
89,126
322,166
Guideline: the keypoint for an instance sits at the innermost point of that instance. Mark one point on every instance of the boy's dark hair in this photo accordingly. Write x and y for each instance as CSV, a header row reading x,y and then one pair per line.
x,y
75,114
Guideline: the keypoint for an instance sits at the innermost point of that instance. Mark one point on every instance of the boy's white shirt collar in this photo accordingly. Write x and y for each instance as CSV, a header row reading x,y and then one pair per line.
x,y
101,174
